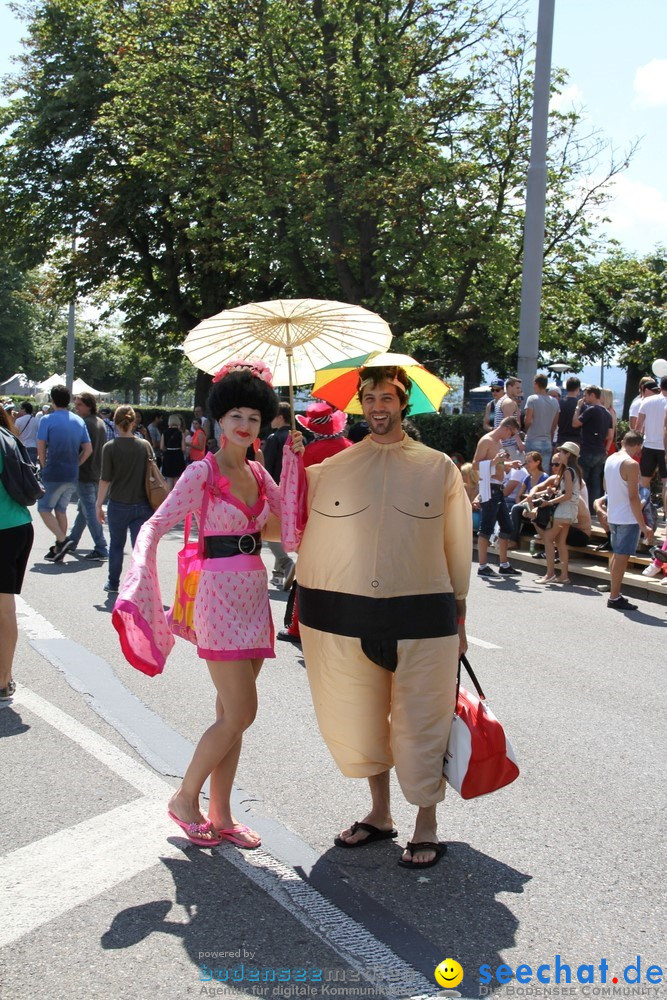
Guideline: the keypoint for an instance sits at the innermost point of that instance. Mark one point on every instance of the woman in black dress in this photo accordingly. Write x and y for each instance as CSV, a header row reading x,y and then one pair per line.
x,y
173,446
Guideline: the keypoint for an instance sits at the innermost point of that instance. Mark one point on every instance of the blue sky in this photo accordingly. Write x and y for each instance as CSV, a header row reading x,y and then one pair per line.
x,y
616,54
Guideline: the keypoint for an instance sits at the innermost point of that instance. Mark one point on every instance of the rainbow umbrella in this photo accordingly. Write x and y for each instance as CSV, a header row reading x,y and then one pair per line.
x,y
338,383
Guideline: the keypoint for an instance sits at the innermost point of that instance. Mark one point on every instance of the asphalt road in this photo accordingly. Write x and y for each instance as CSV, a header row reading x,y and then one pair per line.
x,y
103,898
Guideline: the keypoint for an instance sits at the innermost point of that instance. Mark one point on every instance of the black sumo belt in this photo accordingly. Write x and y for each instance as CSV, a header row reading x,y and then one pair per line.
x,y
379,622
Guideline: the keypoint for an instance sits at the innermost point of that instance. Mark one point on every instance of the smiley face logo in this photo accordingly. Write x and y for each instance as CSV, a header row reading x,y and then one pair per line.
x,y
449,973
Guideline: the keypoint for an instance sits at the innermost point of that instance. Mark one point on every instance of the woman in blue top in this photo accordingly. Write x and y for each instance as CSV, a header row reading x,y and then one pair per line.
x,y
535,475
16,535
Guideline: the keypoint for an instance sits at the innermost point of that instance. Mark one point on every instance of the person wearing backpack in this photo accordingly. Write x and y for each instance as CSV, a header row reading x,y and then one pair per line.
x,y
123,483
16,537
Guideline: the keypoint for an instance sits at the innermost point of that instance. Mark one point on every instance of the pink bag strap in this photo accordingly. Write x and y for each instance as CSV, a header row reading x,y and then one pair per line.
x,y
259,479
202,512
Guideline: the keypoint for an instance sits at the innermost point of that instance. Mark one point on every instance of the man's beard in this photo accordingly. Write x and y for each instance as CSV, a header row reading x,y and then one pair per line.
x,y
385,426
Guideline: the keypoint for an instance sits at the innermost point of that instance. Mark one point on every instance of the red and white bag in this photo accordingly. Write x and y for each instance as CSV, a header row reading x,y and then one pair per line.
x,y
479,758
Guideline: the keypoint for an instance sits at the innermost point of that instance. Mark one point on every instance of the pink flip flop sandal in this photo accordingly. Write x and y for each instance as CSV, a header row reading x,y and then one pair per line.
x,y
194,831
232,836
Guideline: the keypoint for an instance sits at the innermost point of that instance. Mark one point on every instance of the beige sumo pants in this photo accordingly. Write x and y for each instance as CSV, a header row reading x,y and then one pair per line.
x,y
372,719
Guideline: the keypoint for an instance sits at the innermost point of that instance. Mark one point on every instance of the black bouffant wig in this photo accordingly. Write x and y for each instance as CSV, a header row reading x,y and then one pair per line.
x,y
240,388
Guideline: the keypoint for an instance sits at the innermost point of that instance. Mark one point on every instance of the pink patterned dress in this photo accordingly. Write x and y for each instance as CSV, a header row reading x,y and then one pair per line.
x,y
232,615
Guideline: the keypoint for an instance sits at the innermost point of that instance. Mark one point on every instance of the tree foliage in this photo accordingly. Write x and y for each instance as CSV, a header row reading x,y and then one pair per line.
x,y
211,152
618,309
17,318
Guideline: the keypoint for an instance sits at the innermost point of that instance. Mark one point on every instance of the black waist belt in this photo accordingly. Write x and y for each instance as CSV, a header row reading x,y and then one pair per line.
x,y
221,546
420,616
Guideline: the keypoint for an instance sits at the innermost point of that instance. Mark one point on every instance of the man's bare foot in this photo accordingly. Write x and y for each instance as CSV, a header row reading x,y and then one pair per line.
x,y
383,829
422,857
425,833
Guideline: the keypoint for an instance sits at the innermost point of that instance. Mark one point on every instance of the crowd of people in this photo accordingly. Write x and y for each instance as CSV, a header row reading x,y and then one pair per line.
x,y
557,463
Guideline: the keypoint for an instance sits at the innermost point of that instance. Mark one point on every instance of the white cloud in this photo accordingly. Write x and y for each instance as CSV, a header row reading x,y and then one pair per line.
x,y
569,97
651,84
637,214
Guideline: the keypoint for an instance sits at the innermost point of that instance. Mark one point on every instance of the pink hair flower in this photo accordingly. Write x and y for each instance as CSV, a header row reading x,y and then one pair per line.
x,y
257,368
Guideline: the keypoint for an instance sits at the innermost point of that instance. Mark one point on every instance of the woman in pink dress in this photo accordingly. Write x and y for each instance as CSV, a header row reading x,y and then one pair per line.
x,y
232,619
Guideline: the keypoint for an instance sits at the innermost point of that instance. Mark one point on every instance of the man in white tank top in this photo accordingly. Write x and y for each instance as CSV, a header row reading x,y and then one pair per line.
x,y
624,513
652,423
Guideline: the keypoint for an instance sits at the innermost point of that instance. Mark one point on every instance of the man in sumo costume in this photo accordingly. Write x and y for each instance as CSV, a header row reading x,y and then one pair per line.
x,y
383,572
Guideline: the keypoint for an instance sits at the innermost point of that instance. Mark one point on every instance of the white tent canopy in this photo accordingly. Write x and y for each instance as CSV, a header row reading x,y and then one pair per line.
x,y
18,385
49,383
78,386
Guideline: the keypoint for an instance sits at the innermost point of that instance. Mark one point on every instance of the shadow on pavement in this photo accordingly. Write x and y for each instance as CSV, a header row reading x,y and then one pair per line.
x,y
11,723
453,909
453,912
66,566
231,924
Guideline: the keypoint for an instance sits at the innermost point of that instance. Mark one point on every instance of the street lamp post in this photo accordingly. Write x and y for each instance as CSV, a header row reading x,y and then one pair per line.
x,y
145,382
558,368
536,187
69,356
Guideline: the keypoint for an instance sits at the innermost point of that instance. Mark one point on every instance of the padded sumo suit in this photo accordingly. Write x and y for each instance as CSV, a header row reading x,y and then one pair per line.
x,y
385,548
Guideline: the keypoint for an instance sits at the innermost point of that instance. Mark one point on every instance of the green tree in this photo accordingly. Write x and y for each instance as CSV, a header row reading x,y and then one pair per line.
x,y
614,307
215,152
17,316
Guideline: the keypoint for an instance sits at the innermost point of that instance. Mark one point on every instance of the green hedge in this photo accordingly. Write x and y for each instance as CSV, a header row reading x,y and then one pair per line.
x,y
451,433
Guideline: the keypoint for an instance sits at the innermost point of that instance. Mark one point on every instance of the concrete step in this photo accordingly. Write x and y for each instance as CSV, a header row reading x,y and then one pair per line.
x,y
587,564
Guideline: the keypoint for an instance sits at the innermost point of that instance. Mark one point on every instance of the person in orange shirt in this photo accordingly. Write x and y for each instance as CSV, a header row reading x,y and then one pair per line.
x,y
197,446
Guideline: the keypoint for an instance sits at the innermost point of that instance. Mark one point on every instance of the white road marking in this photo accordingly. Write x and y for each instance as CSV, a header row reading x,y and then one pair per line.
x,y
371,958
33,624
49,877
482,643
120,763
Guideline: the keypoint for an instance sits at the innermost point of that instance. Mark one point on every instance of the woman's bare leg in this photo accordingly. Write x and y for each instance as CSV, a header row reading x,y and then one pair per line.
x,y
222,781
8,637
235,686
563,552
550,553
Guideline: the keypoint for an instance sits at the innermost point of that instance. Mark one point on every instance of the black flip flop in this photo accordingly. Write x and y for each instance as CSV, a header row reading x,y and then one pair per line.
x,y
425,845
374,834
